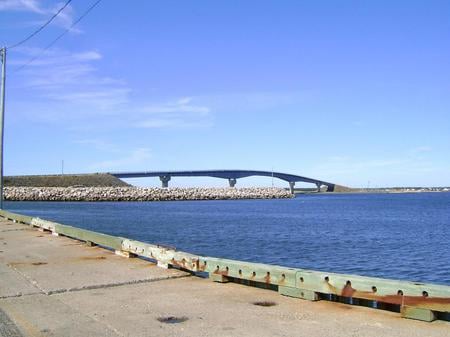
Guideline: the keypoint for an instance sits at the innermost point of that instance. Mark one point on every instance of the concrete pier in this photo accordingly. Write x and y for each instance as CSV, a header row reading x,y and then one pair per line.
x,y
164,181
57,286
292,187
232,182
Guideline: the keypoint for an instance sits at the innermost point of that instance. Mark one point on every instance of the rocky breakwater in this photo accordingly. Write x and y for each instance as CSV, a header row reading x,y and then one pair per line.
x,y
139,194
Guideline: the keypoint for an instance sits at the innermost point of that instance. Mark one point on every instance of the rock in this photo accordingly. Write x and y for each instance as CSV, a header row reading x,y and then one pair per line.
x,y
81,193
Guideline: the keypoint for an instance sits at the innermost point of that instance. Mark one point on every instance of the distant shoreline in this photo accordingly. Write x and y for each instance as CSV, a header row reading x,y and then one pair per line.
x,y
402,190
382,190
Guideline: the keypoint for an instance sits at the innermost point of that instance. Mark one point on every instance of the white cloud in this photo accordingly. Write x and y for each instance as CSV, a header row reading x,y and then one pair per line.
x,y
64,19
73,78
401,169
159,123
60,76
181,113
346,165
88,56
52,57
421,149
135,159
98,144
104,99
172,123
71,88
21,5
179,106
184,100
358,123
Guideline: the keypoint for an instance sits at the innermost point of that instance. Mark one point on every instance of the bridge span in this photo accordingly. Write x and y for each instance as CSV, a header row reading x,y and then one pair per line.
x,y
231,175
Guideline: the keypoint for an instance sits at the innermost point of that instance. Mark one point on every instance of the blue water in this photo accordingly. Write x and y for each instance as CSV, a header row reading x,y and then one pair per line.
x,y
400,236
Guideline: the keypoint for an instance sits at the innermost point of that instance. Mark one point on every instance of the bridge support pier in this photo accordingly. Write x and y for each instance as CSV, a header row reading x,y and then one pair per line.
x,y
291,186
232,181
164,181
318,186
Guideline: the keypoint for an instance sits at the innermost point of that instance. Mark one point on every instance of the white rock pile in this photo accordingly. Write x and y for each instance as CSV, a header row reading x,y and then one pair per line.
x,y
139,194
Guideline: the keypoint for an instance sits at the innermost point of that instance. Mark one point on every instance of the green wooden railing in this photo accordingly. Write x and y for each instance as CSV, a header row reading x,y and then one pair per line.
x,y
414,300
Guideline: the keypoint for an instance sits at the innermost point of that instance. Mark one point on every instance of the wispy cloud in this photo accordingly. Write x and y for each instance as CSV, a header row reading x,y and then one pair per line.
x,y
53,57
172,123
407,164
57,67
64,77
183,105
72,87
64,19
350,165
102,99
22,5
358,123
136,158
181,113
98,144
421,149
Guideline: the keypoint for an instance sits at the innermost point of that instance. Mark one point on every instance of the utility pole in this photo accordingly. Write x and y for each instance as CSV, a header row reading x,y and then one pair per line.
x,y
62,167
2,119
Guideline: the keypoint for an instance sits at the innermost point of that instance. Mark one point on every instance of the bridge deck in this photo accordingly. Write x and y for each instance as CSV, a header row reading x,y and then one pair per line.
x,y
224,174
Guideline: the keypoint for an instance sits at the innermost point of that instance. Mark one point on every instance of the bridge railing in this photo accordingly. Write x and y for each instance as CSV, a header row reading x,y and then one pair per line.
x,y
413,300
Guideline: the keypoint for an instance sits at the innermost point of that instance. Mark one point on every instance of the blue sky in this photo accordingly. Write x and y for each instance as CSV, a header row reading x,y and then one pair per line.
x,y
345,91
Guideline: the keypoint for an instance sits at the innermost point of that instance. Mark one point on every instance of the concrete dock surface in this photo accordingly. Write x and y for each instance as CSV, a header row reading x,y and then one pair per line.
x,y
57,286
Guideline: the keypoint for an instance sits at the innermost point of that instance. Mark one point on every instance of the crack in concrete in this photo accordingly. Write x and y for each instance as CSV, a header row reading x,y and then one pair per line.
x,y
112,285
19,295
14,230
33,282
41,290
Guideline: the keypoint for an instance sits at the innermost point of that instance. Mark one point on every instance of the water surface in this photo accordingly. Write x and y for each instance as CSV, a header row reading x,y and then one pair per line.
x,y
401,236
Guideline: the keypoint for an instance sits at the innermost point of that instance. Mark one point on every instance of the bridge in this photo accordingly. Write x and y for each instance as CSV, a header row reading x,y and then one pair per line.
x,y
231,175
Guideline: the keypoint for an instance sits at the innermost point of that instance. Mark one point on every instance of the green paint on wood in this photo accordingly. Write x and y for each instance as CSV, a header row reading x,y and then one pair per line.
x,y
418,314
298,293
418,300
256,272
218,278
17,217
105,240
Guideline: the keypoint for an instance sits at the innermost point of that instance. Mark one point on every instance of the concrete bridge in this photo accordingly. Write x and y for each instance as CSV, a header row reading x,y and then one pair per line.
x,y
231,175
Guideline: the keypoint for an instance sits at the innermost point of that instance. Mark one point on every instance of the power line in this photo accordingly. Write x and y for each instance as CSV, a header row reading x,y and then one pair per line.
x,y
40,28
59,36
